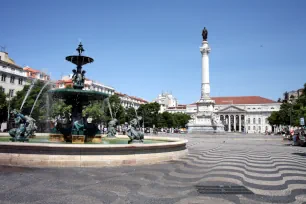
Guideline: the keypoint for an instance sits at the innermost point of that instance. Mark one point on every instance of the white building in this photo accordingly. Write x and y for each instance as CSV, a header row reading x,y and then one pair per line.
x,y
166,101
130,101
13,77
242,113
89,85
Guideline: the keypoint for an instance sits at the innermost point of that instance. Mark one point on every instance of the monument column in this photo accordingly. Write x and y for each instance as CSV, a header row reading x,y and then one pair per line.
x,y
205,85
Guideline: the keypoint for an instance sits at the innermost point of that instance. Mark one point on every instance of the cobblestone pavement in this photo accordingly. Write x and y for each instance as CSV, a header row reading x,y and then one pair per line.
x,y
269,167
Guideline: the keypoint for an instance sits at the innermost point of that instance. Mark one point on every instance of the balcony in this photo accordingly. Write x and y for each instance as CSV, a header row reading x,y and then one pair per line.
x,y
15,71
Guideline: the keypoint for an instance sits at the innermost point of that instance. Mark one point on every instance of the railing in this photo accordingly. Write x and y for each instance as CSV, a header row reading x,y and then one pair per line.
x,y
10,71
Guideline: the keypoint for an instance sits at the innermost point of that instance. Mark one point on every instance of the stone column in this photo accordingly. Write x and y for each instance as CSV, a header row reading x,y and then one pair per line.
x,y
240,123
229,123
205,86
235,122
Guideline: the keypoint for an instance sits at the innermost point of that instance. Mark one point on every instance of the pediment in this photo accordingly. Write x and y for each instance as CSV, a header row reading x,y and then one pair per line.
x,y
232,109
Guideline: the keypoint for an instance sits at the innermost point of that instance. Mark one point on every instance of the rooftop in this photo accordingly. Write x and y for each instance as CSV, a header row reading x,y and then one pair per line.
x,y
241,100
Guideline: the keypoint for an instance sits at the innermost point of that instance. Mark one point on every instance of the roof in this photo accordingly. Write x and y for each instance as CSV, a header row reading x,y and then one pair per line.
x,y
30,69
132,97
241,100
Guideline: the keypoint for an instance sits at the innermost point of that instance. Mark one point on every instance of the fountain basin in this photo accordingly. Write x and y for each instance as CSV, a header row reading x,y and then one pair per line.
x,y
91,155
84,95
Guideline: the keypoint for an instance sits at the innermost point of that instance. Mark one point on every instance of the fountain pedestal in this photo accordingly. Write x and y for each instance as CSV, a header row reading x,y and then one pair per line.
x,y
78,139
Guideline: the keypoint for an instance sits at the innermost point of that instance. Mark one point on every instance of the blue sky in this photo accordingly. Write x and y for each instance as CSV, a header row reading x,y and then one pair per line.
x,y
143,47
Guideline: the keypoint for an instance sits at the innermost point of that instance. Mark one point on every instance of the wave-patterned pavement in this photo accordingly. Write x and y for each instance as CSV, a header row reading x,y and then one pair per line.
x,y
273,170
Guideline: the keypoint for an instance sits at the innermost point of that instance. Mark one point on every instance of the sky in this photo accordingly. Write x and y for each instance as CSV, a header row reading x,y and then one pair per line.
x,y
143,47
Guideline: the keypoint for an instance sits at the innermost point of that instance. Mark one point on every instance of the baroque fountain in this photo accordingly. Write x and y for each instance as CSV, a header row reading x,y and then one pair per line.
x,y
76,141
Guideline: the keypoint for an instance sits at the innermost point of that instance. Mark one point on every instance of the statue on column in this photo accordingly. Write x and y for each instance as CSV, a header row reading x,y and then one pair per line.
x,y
204,34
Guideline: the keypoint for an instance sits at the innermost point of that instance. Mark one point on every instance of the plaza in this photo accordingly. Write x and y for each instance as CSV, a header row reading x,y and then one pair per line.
x,y
265,169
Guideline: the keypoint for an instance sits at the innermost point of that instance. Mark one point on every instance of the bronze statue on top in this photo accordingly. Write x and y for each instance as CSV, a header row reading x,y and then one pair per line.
x,y
204,34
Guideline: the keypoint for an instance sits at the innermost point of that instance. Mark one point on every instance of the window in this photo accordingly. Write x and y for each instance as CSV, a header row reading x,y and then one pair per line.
x,y
254,120
3,90
11,93
254,127
249,127
249,121
272,108
13,69
259,128
266,121
20,81
259,120
266,127
12,79
3,77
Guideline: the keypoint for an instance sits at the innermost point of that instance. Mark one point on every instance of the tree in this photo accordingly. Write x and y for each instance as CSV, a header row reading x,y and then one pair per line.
x,y
95,111
59,108
40,107
3,106
291,110
149,113
130,113
117,110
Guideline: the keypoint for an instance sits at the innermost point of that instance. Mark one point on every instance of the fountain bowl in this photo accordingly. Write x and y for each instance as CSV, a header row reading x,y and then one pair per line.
x,y
91,155
86,95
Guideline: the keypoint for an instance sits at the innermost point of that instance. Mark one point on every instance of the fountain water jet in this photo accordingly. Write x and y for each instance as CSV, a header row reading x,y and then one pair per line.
x,y
41,90
27,94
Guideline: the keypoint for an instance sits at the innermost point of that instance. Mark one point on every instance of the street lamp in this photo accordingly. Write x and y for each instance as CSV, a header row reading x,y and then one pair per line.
x,y
291,102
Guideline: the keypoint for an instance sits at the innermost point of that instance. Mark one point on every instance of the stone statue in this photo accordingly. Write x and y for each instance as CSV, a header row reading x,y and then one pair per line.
x,y
216,120
136,136
26,127
111,131
204,34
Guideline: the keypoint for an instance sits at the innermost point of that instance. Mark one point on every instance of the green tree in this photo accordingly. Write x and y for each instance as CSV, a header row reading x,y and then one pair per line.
x,y
149,113
3,106
118,111
95,111
59,108
291,110
130,113
40,107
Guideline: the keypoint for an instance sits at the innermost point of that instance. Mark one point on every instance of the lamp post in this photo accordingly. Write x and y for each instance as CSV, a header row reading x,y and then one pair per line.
x,y
291,102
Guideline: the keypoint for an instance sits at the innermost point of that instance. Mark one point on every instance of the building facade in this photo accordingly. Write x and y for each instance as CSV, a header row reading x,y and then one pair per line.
x,y
13,77
34,74
166,100
130,101
88,85
242,114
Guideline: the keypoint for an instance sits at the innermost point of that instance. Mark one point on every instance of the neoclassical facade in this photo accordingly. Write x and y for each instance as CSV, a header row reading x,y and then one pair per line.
x,y
243,113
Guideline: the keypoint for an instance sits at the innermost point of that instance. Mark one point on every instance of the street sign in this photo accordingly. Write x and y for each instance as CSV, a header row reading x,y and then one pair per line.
x,y
302,122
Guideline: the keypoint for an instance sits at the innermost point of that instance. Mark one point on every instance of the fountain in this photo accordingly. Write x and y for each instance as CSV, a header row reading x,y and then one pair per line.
x,y
64,146
75,128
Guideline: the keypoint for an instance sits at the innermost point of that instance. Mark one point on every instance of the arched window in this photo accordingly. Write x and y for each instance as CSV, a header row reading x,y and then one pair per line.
x,y
254,120
259,128
259,120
